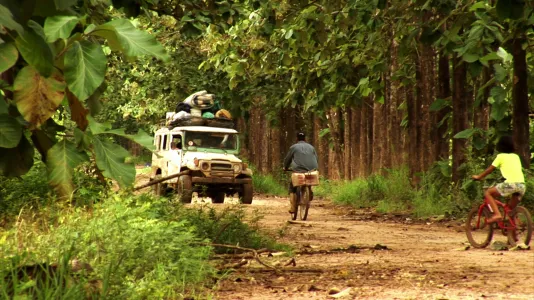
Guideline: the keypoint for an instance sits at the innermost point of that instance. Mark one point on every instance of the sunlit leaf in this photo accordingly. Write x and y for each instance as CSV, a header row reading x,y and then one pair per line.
x,y
141,137
36,97
59,27
16,161
123,36
8,56
465,134
10,131
36,51
85,68
62,158
110,159
6,19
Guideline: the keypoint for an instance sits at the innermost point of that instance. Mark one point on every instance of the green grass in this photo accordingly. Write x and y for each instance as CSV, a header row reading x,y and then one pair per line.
x,y
268,185
141,247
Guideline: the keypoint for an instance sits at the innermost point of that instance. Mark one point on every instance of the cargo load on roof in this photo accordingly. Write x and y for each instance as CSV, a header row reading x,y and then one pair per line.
x,y
199,109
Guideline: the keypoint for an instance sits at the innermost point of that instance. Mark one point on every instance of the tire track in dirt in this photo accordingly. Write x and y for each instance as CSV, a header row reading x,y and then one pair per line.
x,y
424,260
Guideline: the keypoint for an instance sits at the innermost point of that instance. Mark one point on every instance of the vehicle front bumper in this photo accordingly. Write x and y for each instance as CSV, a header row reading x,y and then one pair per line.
x,y
221,180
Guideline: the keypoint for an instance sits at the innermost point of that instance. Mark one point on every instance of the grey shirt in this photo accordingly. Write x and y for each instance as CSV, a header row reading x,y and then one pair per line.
x,y
301,157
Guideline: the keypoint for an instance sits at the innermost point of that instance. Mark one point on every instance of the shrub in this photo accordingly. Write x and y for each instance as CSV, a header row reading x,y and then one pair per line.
x,y
134,248
267,184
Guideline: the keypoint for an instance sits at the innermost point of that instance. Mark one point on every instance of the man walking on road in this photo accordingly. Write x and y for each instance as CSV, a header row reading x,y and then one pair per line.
x,y
301,158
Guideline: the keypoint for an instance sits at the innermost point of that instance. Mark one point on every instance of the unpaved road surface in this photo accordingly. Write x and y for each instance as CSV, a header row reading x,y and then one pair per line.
x,y
425,259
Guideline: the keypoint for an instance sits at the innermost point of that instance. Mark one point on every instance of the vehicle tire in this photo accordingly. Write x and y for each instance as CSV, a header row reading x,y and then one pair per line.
x,y
158,188
246,193
217,197
523,227
304,205
185,188
479,233
298,194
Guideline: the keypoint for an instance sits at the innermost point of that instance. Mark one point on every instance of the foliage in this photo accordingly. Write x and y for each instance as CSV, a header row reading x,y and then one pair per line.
x,y
227,227
268,185
56,58
131,244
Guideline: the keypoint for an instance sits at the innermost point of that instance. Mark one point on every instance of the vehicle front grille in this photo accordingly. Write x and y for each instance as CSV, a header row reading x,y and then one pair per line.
x,y
221,166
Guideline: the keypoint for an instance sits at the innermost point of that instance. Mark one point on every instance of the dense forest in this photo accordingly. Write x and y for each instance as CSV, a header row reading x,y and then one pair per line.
x,y
403,100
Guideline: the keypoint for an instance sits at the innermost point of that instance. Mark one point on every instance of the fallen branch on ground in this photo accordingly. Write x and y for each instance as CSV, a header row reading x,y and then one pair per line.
x,y
152,182
254,251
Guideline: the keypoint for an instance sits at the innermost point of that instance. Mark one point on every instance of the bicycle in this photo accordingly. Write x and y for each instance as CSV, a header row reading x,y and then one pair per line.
x,y
516,224
303,182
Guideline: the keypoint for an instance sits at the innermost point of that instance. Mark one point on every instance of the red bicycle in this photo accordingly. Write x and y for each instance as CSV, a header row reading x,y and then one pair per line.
x,y
516,224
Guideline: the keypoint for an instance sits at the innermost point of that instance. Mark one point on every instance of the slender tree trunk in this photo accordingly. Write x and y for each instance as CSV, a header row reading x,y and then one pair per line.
x,y
321,146
425,95
354,140
444,92
334,121
377,137
413,135
347,131
460,119
394,114
482,111
520,121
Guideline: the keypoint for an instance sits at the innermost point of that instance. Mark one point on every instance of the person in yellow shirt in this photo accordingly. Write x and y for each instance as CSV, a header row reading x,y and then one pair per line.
x,y
510,165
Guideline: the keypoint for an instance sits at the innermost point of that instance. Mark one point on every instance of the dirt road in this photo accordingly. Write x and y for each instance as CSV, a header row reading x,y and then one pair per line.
x,y
425,260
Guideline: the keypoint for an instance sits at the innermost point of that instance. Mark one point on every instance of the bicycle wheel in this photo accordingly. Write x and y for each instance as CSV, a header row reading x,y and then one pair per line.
x,y
296,204
304,202
479,233
523,230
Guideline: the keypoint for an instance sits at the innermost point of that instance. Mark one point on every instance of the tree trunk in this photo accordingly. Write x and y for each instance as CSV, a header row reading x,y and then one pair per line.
x,y
274,145
347,132
425,95
413,135
441,136
366,134
335,133
520,121
376,143
394,115
321,146
482,111
460,119
354,140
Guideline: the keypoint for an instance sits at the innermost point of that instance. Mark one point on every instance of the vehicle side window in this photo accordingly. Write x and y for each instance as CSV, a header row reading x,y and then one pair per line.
x,y
165,144
176,142
157,142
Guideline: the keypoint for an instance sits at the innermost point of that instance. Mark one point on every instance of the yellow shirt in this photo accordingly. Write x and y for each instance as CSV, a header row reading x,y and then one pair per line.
x,y
510,166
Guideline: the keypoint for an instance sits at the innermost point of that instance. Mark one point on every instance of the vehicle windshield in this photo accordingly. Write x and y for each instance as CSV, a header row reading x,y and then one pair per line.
x,y
211,140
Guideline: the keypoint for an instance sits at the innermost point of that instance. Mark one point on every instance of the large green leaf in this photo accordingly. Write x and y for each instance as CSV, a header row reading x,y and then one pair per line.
x,y
85,68
8,56
141,137
96,127
59,27
36,51
465,134
36,97
16,161
499,106
6,20
10,131
110,159
123,36
61,161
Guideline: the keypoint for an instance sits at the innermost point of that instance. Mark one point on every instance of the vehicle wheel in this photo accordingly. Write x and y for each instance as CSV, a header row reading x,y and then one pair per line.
x,y
296,205
523,231
158,188
246,193
217,197
304,205
185,189
479,233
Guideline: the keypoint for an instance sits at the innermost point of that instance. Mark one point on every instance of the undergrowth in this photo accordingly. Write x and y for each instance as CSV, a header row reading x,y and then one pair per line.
x,y
268,185
140,247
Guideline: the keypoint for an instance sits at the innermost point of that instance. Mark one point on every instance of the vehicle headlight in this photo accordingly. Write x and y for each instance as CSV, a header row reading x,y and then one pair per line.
x,y
237,168
205,166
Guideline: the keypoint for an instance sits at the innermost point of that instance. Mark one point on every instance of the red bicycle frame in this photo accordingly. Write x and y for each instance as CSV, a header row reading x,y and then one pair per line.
x,y
500,223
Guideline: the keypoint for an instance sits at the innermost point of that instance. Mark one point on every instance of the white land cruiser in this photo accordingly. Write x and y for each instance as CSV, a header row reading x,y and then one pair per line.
x,y
208,155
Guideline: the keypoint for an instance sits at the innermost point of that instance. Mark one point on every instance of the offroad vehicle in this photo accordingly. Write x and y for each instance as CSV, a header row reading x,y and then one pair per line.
x,y
208,156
